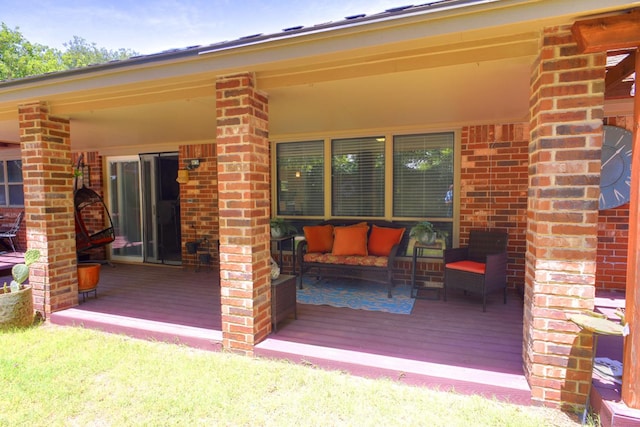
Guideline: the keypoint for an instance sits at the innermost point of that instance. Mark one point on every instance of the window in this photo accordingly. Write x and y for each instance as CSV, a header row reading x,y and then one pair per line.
x,y
12,192
404,178
423,176
300,178
357,177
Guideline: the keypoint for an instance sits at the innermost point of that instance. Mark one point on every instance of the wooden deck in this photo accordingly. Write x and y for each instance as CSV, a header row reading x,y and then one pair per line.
x,y
8,260
451,346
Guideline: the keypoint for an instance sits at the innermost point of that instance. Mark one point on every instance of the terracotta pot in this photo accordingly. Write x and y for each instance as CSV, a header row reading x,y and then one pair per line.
x,y
88,276
16,309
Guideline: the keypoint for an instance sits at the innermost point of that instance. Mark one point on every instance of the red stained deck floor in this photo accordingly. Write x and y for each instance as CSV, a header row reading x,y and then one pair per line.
x,y
451,345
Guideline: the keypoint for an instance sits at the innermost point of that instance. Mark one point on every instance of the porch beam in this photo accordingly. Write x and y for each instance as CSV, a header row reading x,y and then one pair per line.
x,y
600,35
631,354
617,74
608,33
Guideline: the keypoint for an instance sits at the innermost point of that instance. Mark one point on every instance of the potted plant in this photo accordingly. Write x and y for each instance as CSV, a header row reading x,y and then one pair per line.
x,y
281,228
424,232
16,301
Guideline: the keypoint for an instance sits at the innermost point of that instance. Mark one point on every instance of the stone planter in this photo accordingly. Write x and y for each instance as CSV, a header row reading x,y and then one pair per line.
x,y
16,309
277,233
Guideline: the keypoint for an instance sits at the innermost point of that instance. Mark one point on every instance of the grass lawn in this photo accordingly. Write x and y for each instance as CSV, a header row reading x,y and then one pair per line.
x,y
62,376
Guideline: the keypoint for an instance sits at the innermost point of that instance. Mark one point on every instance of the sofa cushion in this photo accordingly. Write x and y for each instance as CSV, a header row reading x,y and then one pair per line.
x,y
382,239
470,266
319,238
350,240
370,260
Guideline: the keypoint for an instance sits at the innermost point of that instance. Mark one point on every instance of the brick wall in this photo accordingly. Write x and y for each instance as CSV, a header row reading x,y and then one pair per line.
x,y
494,184
199,201
48,188
564,165
613,234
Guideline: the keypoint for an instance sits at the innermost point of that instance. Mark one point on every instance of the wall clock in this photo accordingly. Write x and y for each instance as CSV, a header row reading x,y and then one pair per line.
x,y
615,169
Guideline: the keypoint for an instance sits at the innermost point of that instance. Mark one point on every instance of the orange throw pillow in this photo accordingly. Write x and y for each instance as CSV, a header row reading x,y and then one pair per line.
x,y
382,239
359,224
319,238
350,241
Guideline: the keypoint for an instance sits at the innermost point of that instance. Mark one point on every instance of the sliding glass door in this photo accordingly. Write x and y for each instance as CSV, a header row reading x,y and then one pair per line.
x,y
145,208
161,208
126,208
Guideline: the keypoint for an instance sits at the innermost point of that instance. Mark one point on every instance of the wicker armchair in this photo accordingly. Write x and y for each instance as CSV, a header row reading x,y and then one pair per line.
x,y
480,268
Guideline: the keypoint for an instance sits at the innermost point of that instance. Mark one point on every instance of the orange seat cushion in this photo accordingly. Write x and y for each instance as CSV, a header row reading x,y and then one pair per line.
x,y
382,239
319,238
470,266
350,240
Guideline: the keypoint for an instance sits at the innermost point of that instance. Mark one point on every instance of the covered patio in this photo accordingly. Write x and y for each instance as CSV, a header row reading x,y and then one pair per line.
x,y
376,87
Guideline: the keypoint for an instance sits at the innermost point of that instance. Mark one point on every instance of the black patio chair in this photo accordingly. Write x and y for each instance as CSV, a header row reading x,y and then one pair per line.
x,y
11,232
480,267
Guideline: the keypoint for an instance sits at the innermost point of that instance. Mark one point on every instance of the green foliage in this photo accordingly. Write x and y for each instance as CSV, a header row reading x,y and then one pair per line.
x,y
421,228
81,377
20,272
283,226
20,58
81,53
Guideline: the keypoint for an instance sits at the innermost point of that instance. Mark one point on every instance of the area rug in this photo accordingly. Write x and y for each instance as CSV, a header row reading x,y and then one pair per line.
x,y
356,294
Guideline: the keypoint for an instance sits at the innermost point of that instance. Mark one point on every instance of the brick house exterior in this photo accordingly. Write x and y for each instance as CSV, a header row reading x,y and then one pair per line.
x,y
537,177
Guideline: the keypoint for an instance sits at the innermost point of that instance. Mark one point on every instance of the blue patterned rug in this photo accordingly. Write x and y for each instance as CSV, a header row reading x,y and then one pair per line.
x,y
356,294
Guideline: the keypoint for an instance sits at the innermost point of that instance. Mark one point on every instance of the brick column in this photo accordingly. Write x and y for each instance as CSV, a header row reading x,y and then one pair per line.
x,y
564,173
244,209
48,199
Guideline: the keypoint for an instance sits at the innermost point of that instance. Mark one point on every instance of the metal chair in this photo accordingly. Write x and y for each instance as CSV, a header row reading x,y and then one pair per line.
x,y
12,232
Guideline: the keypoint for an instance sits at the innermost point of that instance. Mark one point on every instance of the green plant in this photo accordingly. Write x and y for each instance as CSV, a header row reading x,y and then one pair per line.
x,y
421,229
424,232
282,226
20,272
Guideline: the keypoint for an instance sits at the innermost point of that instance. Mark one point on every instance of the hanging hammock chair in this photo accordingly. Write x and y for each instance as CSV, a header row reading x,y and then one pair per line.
x,y
91,216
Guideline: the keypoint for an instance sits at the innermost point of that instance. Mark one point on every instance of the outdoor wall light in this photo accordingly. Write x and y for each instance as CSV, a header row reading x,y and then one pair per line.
x,y
192,164
183,176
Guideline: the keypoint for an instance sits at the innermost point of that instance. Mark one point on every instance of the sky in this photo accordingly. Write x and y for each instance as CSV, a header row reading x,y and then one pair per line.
x,y
152,26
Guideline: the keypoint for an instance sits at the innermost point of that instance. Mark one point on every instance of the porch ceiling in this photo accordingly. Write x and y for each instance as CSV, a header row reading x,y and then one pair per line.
x,y
428,97
435,71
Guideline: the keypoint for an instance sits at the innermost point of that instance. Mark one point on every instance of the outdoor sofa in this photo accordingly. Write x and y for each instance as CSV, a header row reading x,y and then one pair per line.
x,y
360,250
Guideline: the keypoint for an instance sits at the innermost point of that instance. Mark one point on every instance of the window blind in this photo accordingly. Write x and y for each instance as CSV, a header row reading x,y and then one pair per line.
x,y
357,180
300,178
422,175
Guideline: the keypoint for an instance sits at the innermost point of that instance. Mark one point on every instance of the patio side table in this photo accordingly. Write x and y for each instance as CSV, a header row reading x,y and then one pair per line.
x,y
432,288
283,299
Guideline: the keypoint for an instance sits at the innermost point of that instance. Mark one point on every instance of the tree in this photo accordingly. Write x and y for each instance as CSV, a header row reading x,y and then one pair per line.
x,y
81,53
20,58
